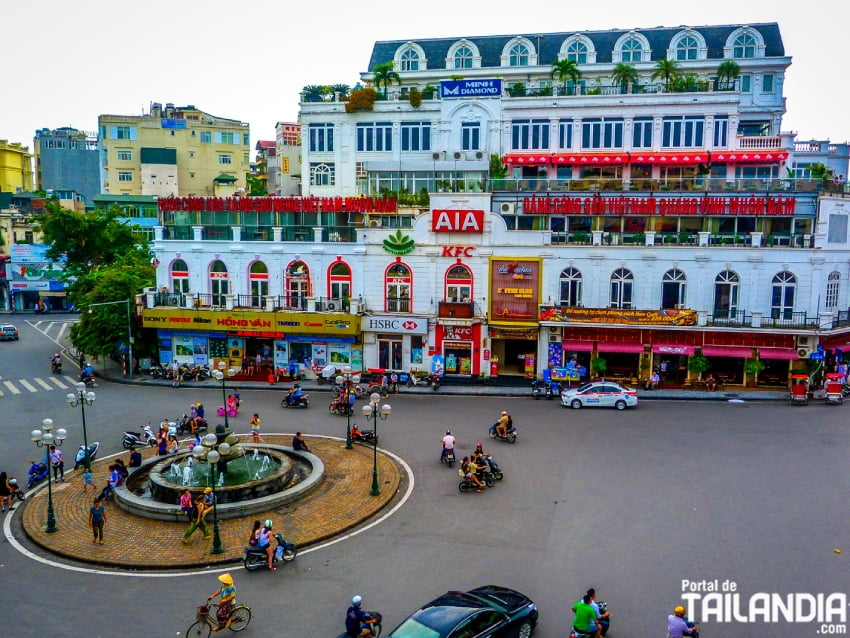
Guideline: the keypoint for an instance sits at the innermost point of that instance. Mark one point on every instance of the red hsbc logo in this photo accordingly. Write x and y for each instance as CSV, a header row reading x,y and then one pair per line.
x,y
457,221
457,251
409,325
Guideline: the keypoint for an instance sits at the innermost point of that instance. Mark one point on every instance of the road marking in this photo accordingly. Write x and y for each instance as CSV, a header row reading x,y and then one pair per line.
x,y
43,384
29,386
59,383
11,387
7,532
70,380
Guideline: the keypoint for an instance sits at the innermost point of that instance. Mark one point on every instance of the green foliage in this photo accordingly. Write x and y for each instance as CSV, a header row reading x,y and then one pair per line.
x,y
820,171
314,93
689,83
565,70
753,366
415,98
727,73
385,75
497,169
256,187
623,75
598,366
428,91
698,363
517,90
667,70
342,89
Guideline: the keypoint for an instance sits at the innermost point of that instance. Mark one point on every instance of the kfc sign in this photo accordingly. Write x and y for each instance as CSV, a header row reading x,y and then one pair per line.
x,y
457,221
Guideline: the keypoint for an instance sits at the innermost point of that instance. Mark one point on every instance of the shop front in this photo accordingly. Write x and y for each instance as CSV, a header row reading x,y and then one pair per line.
x,y
460,346
513,325
393,342
34,281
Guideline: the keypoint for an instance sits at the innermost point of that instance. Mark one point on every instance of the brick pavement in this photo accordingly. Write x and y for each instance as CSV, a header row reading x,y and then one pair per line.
x,y
340,503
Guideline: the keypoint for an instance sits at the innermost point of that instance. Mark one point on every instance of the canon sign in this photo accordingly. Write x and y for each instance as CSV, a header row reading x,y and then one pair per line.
x,y
395,324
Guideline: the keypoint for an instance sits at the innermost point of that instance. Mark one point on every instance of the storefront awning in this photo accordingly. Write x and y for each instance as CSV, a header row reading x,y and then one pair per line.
x,y
615,346
526,159
750,157
685,158
578,346
740,352
590,159
672,348
778,353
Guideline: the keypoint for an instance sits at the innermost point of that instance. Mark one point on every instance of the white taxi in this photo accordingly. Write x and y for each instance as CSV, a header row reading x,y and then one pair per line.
x,y
602,394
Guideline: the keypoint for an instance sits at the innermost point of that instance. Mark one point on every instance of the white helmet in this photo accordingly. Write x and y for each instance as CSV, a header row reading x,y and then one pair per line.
x,y
356,600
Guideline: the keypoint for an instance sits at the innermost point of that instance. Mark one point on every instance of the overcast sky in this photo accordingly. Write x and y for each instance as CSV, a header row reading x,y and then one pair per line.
x,y
64,63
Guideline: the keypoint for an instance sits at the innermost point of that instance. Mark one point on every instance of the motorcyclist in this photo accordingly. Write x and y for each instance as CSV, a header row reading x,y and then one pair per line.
x,y
678,625
502,424
448,444
264,542
584,621
357,622
356,434
56,362
293,395
87,372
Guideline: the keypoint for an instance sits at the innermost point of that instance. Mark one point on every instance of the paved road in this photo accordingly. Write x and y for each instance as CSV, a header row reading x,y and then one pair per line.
x,y
631,503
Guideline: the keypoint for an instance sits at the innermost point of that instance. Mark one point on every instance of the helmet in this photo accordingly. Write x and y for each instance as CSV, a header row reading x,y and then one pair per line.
x,y
479,444
207,490
679,610
197,405
227,579
13,482
356,600
448,432
504,413
268,523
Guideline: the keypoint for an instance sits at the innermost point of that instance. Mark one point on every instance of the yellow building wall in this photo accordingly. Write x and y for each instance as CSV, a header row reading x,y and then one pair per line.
x,y
15,167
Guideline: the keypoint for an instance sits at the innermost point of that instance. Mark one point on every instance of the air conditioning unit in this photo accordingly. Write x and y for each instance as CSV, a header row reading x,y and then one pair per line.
x,y
507,208
554,338
437,155
804,353
479,155
374,223
457,155
807,341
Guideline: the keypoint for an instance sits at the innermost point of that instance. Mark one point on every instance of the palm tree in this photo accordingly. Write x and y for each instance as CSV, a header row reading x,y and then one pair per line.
x,y
667,70
566,70
623,75
342,89
385,75
727,73
313,93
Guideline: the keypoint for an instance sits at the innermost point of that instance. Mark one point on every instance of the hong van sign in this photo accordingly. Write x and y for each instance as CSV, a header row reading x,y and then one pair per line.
x,y
393,324
470,88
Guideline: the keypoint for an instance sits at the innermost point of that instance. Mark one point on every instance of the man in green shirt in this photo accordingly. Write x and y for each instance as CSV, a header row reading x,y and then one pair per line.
x,y
585,621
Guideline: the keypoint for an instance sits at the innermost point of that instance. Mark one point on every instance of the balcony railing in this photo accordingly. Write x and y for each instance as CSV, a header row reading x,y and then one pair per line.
x,y
759,142
257,233
398,305
337,234
249,301
729,318
457,310
218,233
206,300
784,319
177,232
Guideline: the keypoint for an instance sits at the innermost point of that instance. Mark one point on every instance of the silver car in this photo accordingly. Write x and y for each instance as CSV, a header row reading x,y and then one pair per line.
x,y
602,394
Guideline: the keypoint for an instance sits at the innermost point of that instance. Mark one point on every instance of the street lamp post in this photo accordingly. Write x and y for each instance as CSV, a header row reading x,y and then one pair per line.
x,y
220,375
45,438
373,413
82,399
129,372
212,451
344,380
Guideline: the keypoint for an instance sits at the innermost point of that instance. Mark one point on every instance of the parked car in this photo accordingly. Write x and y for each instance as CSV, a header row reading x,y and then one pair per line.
x,y
8,332
602,394
484,612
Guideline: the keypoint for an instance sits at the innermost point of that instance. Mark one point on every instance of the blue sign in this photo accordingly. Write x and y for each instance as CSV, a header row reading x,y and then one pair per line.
x,y
168,122
470,88
816,356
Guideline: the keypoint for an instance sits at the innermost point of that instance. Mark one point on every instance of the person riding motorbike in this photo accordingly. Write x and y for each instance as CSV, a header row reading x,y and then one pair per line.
x,y
56,362
584,621
293,394
502,424
469,472
87,372
227,593
679,626
357,622
448,444
264,541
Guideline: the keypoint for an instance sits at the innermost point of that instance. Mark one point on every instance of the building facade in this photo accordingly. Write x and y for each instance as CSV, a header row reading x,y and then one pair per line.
x,y
172,151
288,155
15,167
67,159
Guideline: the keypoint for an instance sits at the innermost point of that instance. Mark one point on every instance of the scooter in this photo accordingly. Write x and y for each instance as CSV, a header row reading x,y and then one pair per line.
x,y
37,473
183,426
364,436
255,558
134,439
56,366
88,379
535,389
448,457
80,459
606,623
327,375
494,467
341,406
551,390
510,433
467,484
374,625
17,492
434,380
298,402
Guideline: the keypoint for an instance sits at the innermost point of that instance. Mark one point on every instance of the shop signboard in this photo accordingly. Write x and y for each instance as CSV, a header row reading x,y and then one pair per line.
x,y
250,323
394,324
619,316
514,289
673,204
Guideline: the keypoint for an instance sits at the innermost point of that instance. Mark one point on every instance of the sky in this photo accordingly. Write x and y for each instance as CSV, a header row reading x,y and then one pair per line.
x,y
64,63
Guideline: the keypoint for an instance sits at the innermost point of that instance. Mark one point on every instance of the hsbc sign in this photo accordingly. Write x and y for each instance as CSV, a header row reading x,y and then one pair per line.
x,y
457,221
395,324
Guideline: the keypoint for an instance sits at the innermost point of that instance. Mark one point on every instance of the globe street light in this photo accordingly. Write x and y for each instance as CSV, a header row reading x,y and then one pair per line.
x,y
82,399
372,413
344,380
219,375
212,451
44,438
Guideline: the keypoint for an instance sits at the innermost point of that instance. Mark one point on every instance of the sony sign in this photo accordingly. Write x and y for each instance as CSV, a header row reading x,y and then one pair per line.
x,y
457,221
470,88
394,324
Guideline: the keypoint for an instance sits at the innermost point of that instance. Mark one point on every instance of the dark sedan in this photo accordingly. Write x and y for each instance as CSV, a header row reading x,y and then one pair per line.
x,y
484,612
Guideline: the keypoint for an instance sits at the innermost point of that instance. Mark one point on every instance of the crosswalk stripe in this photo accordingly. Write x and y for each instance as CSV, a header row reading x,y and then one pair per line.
x,y
59,383
43,384
71,380
11,387
29,386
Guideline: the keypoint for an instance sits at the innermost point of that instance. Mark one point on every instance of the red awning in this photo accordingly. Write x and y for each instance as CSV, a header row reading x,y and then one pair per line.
x,y
778,353
750,157
526,159
740,352
672,348
686,158
578,346
616,346
590,159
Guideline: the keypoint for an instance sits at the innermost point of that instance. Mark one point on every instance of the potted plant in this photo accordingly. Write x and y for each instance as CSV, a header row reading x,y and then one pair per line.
x,y
752,367
428,92
517,90
698,363
414,97
598,366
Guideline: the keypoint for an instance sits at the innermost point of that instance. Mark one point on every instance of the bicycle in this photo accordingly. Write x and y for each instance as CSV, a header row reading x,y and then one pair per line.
x,y
206,622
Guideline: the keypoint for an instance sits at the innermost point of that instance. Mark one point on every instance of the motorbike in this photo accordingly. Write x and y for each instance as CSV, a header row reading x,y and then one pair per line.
x,y
298,402
364,436
845,389
255,558
56,366
341,406
434,381
494,467
80,459
37,473
375,625
88,379
606,622
510,433
448,457
156,372
183,426
467,484
139,439
17,492
536,390
551,389
327,375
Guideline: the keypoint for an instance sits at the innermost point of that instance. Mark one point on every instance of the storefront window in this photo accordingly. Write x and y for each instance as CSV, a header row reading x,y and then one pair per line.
x,y
297,285
726,295
621,288
673,289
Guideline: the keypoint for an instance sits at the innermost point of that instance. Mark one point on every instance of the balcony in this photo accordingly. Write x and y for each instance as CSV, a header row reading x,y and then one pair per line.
x,y
455,310
729,318
398,305
784,319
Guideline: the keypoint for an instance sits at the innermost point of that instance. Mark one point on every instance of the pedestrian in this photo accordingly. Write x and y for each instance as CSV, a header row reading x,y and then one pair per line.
x,y
255,428
298,443
97,517
231,405
209,497
172,445
385,384
135,457
58,464
258,363
245,363
238,398
394,383
186,503
226,601
175,371
81,359
88,479
199,511
5,492
293,369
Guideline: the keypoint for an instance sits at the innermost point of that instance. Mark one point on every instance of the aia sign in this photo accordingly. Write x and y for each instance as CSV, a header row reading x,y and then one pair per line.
x,y
457,221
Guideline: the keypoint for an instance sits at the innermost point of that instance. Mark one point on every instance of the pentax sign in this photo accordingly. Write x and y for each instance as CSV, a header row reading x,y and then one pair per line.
x,y
457,221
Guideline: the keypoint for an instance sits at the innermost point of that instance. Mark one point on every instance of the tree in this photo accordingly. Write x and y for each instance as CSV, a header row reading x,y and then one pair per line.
x,y
667,70
384,75
256,186
623,75
314,93
497,168
820,171
342,89
565,70
727,73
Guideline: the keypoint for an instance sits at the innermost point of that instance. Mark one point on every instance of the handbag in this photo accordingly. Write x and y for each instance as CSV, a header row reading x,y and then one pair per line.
x,y
460,473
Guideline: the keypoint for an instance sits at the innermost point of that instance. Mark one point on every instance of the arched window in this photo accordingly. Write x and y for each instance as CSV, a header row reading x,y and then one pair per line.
x,y
321,175
339,284
687,48
297,285
726,295
258,278
570,287
783,286
218,282
518,55
179,277
458,284
398,283
631,51
673,289
744,46
622,282
832,284
577,51
409,61
462,58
